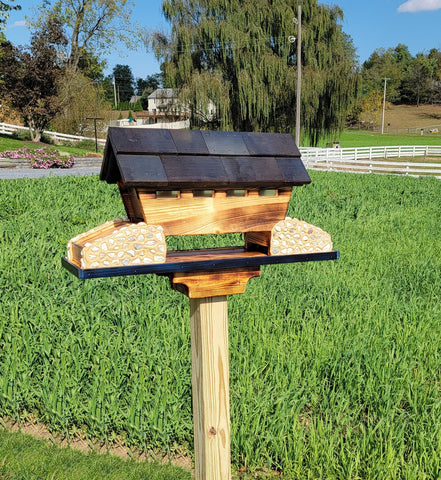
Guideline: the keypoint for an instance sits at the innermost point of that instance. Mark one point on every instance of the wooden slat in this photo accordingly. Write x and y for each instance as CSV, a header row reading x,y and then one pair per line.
x,y
189,142
141,170
187,171
275,144
200,260
253,171
210,382
294,171
258,241
225,143
213,283
141,140
208,215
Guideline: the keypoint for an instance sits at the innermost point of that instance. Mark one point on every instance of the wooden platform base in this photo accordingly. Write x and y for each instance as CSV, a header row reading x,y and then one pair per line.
x,y
213,283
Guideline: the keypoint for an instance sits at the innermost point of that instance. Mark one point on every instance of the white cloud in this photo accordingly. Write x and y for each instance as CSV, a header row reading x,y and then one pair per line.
x,y
19,23
419,5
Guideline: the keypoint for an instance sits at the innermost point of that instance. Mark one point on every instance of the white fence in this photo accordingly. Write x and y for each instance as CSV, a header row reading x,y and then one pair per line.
x,y
9,129
141,123
359,160
363,159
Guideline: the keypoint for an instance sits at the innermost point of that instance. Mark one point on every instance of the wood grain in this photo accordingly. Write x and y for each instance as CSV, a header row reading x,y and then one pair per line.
x,y
210,380
213,283
212,215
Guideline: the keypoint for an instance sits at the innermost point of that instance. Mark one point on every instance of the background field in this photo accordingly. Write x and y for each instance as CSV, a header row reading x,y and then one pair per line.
x,y
335,366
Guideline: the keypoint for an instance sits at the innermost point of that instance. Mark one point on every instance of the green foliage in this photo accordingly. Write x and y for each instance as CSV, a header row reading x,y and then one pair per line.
x,y
238,55
124,80
137,107
412,80
334,366
80,100
25,458
91,26
30,76
5,7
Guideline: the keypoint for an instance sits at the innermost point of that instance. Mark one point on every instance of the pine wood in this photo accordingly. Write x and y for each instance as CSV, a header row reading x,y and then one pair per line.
x,y
213,283
192,215
210,380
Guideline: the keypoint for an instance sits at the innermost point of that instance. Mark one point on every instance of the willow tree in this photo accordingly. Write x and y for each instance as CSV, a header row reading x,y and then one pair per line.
x,y
238,54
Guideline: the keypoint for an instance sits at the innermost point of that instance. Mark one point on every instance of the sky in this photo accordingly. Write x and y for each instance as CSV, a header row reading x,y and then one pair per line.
x,y
371,24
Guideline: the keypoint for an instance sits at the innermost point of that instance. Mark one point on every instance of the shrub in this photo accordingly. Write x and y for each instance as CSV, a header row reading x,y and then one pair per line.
x,y
41,157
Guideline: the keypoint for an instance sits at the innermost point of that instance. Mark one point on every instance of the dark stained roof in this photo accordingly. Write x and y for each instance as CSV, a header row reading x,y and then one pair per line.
x,y
175,159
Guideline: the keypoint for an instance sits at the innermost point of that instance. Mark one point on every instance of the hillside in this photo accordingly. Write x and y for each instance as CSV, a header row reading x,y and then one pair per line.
x,y
411,116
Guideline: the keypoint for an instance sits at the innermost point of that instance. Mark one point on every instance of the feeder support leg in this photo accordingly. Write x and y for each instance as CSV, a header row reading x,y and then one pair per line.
x,y
210,379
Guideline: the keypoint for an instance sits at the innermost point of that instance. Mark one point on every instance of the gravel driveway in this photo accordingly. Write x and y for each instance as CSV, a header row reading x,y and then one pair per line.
x,y
81,167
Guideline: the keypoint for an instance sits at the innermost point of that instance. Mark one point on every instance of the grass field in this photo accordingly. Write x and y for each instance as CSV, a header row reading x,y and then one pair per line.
x,y
9,143
25,458
360,138
335,366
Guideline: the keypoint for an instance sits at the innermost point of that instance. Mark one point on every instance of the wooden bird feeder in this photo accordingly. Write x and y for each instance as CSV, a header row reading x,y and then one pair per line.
x,y
191,182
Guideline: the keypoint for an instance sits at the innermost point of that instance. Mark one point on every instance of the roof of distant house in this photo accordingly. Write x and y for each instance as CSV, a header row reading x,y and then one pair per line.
x,y
163,93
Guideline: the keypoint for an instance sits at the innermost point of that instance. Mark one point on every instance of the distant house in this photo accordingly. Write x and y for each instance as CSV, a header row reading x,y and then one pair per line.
x,y
165,101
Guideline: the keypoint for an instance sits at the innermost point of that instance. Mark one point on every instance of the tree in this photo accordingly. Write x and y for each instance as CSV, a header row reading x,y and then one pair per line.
x,y
391,64
435,87
419,79
91,26
238,55
124,81
80,98
91,66
5,8
148,86
371,108
30,76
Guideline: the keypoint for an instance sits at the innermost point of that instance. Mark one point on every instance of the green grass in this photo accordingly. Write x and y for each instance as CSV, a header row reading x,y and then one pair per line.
x,y
335,366
360,138
9,143
25,458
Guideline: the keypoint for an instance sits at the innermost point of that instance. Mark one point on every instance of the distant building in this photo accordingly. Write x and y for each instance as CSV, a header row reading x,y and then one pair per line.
x,y
164,101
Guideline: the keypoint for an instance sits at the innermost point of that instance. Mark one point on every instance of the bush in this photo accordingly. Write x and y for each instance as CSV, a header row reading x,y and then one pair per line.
x,y
41,157
23,135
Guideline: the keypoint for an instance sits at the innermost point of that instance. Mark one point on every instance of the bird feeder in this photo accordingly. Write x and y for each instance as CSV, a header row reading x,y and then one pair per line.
x,y
191,182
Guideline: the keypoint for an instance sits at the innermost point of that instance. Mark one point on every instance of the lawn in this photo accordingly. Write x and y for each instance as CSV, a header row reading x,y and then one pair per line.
x,y
9,143
25,458
334,366
360,138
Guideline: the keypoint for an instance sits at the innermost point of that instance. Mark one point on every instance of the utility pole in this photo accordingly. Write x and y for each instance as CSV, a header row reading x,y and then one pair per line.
x,y
96,136
384,104
299,72
114,91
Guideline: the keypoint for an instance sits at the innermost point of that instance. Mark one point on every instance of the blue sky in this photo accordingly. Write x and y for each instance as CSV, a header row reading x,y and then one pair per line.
x,y
372,24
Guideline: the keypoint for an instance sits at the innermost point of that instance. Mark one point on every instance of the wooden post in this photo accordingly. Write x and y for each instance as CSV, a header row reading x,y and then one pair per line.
x,y
210,379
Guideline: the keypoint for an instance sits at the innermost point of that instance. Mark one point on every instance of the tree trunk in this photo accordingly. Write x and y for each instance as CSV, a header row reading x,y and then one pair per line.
x,y
34,132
